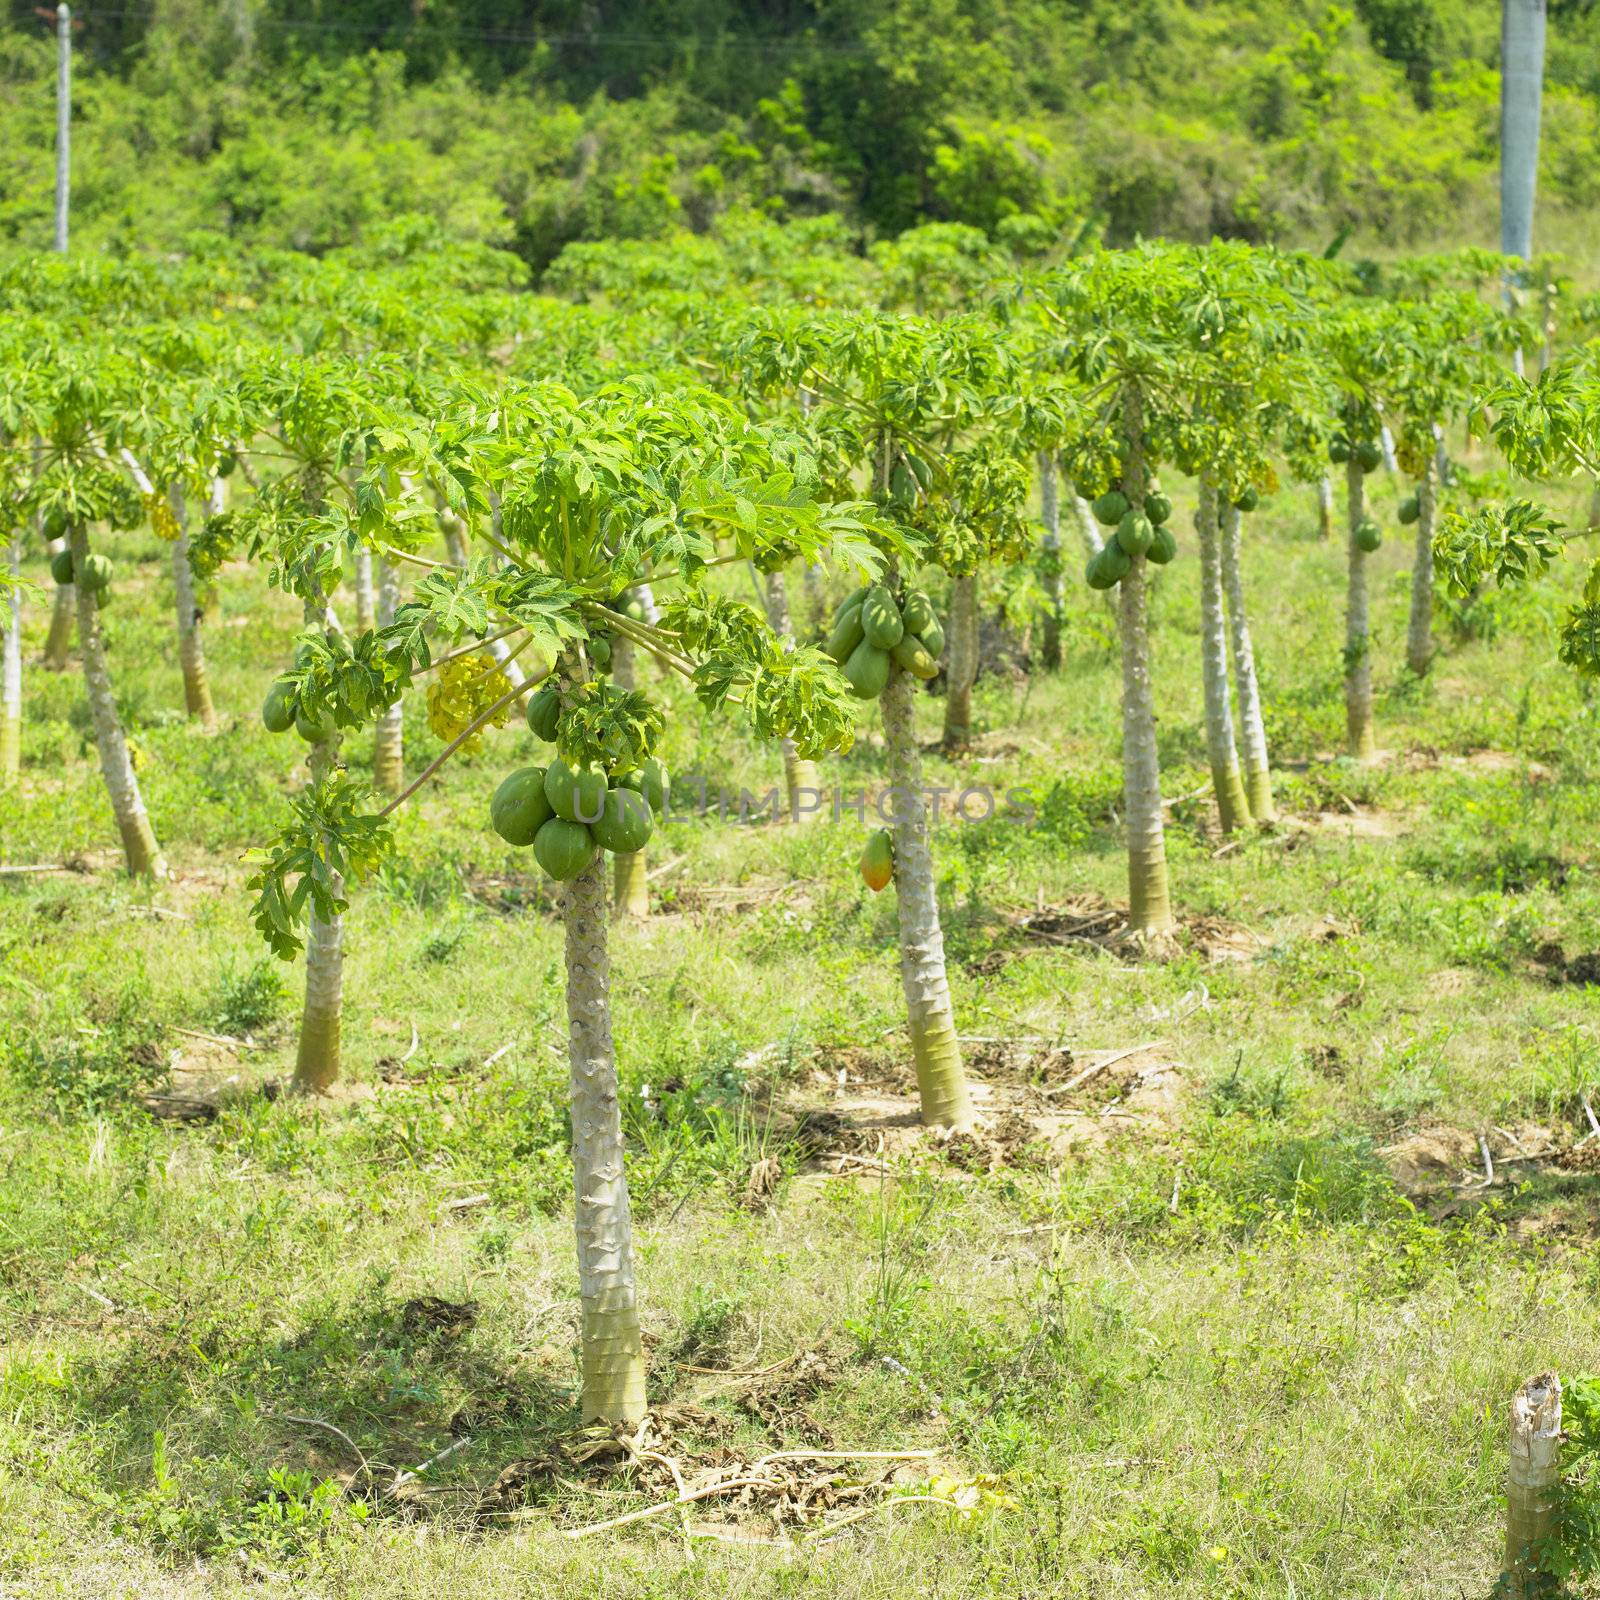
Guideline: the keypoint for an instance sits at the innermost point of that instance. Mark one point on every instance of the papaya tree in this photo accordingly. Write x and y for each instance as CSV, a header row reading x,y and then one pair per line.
x,y
78,400
906,403
11,664
593,491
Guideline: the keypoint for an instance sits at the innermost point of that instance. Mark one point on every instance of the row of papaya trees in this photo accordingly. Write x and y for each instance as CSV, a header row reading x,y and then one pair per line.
x,y
540,505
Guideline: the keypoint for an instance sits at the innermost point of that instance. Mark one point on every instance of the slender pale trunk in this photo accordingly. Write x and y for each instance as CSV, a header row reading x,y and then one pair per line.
x,y
612,1350
1252,725
1232,807
961,662
799,775
388,741
941,1079
1050,515
1325,507
191,650
139,845
1386,444
1419,632
366,598
1088,529
816,598
58,642
1360,739
1533,1489
1149,901
630,885
11,676
317,1061
1522,31
456,548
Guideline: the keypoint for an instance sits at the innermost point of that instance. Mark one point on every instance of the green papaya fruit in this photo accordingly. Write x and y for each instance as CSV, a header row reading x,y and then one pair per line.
x,y
575,794
917,611
544,711
1157,507
564,848
313,730
61,566
1163,547
1368,535
867,670
652,782
625,825
277,710
880,619
877,860
911,654
226,462
853,599
600,650
902,485
1339,449
1369,453
97,573
847,634
1097,574
55,525
1410,510
1248,499
1134,533
1110,508
932,638
519,807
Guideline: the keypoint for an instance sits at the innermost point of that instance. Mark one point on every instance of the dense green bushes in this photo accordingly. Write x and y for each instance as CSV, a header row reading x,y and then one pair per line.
x,y
1282,120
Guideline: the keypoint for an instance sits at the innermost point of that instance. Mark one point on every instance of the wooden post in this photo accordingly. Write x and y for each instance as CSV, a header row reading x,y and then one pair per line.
x,y
1531,1483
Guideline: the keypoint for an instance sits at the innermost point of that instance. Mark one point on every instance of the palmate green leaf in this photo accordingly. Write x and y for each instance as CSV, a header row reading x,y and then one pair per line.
x,y
454,601
609,727
1580,639
1509,543
785,694
351,680
328,845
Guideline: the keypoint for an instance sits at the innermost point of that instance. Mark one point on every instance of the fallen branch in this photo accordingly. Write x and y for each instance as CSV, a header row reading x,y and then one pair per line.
x,y
403,1478
1088,1073
219,1038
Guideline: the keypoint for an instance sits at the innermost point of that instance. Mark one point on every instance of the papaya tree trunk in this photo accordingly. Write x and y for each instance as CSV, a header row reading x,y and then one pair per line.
x,y
1050,548
816,599
799,775
1149,900
139,846
1088,529
1533,1489
630,886
11,676
388,742
318,1059
1324,507
961,662
1386,445
1232,807
366,600
1252,725
1360,740
612,1351
1419,631
191,650
941,1079
58,641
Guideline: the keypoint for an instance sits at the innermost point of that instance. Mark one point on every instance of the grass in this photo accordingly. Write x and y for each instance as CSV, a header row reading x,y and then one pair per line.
x,y
1235,1359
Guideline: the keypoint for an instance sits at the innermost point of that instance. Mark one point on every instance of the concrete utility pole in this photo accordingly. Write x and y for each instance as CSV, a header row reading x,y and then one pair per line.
x,y
1522,28
63,122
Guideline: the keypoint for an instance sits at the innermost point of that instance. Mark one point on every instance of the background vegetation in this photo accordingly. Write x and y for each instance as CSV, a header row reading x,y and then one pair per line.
x,y
288,122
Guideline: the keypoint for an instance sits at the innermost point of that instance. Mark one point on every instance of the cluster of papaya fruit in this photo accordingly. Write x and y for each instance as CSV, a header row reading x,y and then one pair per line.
x,y
95,577
872,632
1367,452
570,814
281,711
1141,530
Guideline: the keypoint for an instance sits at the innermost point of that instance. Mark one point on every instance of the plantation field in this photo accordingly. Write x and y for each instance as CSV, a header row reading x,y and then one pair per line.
x,y
1237,1313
